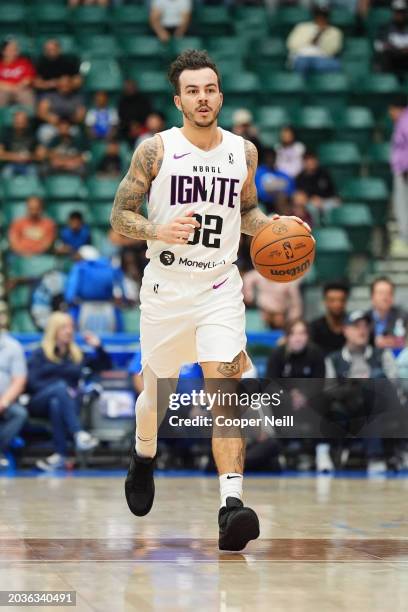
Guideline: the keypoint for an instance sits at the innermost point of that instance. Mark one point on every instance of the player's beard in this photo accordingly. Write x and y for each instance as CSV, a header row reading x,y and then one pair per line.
x,y
201,124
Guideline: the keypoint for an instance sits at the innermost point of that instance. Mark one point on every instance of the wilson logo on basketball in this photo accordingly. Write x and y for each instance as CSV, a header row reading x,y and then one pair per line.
x,y
291,271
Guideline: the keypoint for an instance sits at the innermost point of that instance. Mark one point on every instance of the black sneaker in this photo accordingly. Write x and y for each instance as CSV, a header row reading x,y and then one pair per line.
x,y
139,484
237,525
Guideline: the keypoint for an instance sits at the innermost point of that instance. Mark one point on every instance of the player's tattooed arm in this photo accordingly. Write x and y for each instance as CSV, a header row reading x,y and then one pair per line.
x,y
126,218
252,218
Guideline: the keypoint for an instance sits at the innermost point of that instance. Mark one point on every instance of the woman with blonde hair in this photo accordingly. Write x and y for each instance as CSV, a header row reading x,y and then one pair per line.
x,y
54,371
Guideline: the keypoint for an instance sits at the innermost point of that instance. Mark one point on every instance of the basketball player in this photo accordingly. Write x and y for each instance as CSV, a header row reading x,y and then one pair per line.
x,y
199,183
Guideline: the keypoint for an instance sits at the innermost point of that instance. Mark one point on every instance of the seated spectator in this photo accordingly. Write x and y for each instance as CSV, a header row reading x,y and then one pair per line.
x,y
132,275
314,45
66,151
389,322
135,372
168,19
274,186
155,123
392,43
327,331
33,234
110,165
101,120
19,149
63,103
134,107
16,76
317,183
359,359
12,383
93,286
243,125
54,373
300,209
289,153
74,235
280,303
53,64
398,111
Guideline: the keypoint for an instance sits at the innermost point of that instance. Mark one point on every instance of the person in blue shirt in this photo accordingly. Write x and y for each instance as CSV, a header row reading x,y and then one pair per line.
x,y
274,187
74,235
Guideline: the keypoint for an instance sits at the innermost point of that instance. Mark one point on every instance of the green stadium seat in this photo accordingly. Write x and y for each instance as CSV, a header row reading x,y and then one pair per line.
x,y
13,17
229,65
98,148
379,155
89,19
254,321
370,191
178,45
314,125
19,188
173,116
61,210
270,120
377,18
13,210
358,222
32,267
49,18
20,297
212,21
22,322
357,49
268,55
154,83
226,115
251,14
355,124
64,187
344,19
102,189
343,160
131,320
243,90
333,251
67,42
101,213
283,88
286,18
147,52
376,91
226,47
99,45
329,90
102,74
130,19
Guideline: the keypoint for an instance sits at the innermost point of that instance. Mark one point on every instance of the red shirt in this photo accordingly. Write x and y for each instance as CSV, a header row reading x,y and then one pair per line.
x,y
16,71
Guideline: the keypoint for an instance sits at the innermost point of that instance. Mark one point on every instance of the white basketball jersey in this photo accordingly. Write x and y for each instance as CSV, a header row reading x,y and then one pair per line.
x,y
208,183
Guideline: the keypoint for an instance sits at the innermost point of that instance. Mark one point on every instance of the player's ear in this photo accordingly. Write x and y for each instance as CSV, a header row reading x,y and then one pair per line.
x,y
221,98
177,102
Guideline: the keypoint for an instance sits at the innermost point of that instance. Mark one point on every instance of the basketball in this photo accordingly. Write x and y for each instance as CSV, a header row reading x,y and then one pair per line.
x,y
283,250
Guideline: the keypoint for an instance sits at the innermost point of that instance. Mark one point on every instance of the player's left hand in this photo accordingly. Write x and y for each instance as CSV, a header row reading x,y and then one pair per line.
x,y
297,219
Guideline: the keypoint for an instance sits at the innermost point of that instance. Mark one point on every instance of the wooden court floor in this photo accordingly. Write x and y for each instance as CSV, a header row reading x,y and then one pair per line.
x,y
326,544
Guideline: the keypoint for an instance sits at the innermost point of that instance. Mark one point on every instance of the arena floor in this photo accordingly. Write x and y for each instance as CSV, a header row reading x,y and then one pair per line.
x,y
326,544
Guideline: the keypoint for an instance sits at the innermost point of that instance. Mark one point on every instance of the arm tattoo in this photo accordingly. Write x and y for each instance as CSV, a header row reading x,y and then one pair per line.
x,y
252,218
232,368
145,165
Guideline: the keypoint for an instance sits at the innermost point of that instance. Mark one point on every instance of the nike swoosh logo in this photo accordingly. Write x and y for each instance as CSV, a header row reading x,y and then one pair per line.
x,y
229,477
180,156
216,287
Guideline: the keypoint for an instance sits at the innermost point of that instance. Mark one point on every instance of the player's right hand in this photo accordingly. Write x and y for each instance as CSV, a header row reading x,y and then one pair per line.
x,y
179,230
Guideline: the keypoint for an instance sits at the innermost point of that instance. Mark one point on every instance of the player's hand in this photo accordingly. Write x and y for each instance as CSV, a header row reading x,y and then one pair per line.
x,y
179,230
297,219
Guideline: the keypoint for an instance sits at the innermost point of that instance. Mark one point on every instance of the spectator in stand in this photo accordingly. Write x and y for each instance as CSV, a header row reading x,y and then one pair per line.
x,y
52,65
19,150
154,123
16,76
243,125
389,322
63,103
134,107
392,43
168,19
74,235
54,374
33,234
399,165
327,331
289,153
300,208
111,165
314,46
279,303
101,120
274,187
132,267
13,376
66,151
135,372
317,183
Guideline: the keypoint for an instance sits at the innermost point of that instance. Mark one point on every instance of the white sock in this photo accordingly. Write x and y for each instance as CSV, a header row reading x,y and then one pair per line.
x,y
145,448
230,486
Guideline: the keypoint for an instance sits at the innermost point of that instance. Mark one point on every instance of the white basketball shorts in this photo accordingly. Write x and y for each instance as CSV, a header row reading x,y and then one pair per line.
x,y
186,318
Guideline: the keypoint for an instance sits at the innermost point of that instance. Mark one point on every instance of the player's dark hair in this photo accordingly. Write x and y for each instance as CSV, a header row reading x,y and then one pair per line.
x,y
381,279
191,59
337,285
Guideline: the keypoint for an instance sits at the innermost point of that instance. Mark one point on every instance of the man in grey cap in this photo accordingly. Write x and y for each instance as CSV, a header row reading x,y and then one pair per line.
x,y
392,43
13,375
